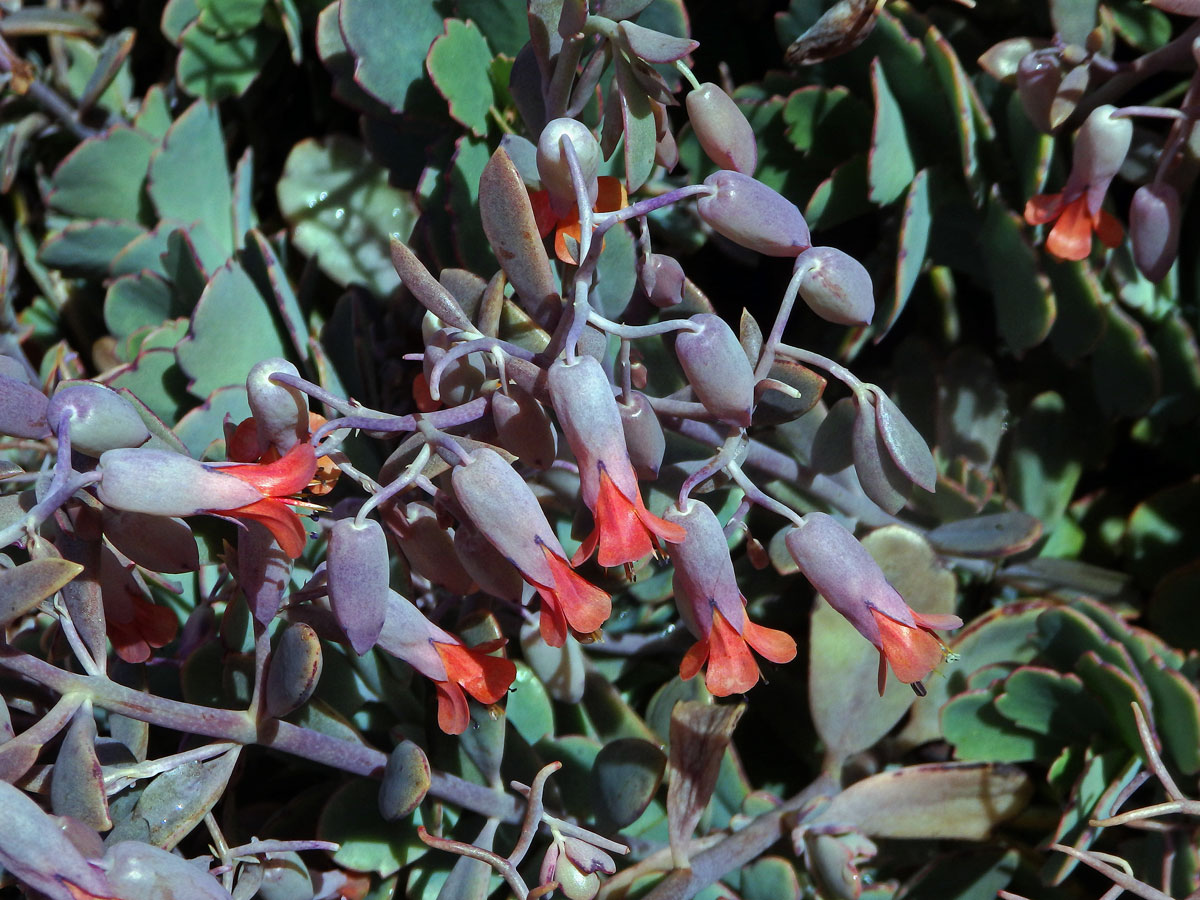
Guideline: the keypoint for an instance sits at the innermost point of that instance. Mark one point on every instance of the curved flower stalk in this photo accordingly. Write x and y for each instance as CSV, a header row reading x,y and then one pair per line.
x,y
441,657
1100,148
712,606
625,531
164,483
846,575
500,505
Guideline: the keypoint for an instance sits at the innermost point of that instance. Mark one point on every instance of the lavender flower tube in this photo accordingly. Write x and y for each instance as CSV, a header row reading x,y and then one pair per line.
x,y
753,215
836,286
722,129
165,483
22,409
1154,228
717,369
358,568
97,418
280,411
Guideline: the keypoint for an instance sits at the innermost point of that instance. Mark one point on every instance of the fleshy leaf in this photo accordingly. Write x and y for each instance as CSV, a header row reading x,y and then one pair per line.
x,y
343,211
458,64
25,586
890,167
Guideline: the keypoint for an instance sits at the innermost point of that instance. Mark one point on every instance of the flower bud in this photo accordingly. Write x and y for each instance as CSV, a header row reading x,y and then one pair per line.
x,y
524,428
662,280
717,369
280,411
1038,76
753,215
1101,146
643,435
722,129
165,483
22,409
357,567
554,169
99,419
836,286
1154,228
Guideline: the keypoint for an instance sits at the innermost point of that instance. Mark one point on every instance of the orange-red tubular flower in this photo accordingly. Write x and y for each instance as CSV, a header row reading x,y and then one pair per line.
x,y
713,608
845,574
1100,148
610,197
443,659
625,531
165,483
500,505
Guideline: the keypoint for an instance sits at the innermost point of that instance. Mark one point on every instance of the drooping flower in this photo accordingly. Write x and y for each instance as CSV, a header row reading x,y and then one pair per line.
x,y
446,661
164,483
1100,148
714,609
500,505
610,197
625,531
846,575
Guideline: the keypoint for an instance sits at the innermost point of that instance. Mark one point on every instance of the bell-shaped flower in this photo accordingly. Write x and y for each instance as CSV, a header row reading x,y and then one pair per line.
x,y
753,215
279,410
96,417
575,866
714,610
446,661
718,369
500,505
722,129
357,568
625,531
164,483
1100,148
847,576
1154,221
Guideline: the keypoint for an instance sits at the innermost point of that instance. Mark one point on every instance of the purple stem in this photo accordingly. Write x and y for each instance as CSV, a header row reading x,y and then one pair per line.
x,y
237,726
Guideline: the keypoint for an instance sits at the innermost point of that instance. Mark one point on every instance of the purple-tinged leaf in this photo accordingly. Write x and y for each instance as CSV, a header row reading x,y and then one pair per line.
x,y
904,443
544,16
937,800
525,86
35,851
622,9
637,124
175,802
139,871
263,571
881,479
427,545
358,570
833,445
77,782
428,291
406,780
987,537
25,586
466,288
654,46
294,671
22,410
572,18
523,427
512,231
